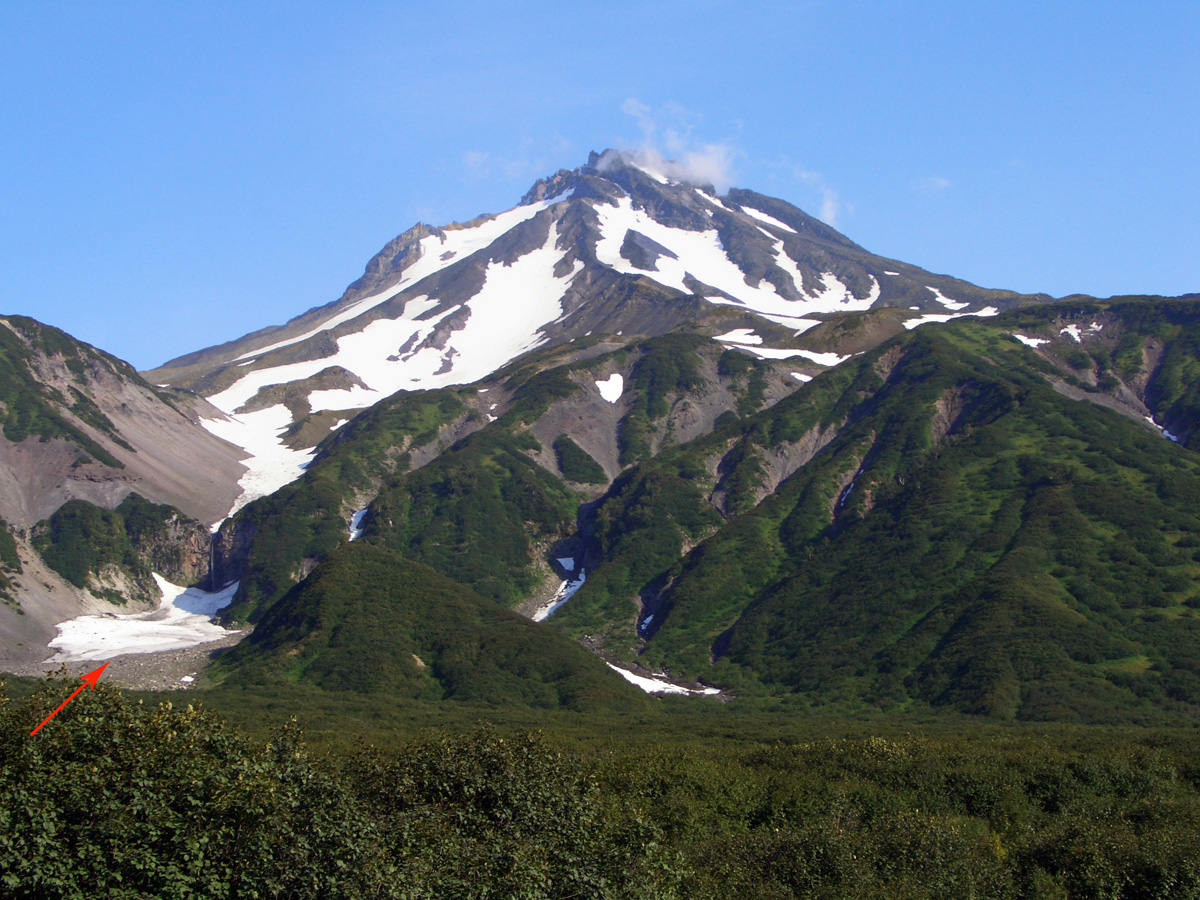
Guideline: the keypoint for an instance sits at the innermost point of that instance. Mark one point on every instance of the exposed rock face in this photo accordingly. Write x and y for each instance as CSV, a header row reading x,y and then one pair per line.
x,y
99,432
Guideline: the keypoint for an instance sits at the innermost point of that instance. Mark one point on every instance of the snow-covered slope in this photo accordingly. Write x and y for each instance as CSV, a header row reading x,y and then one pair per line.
x,y
609,247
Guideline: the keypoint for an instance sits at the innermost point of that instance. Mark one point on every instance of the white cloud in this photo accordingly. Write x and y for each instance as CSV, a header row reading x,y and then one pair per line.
x,y
668,148
832,205
933,184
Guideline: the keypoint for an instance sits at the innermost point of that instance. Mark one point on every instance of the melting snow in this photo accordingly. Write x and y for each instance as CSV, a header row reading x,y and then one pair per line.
x,y
659,685
566,590
946,301
1031,341
800,376
183,619
700,254
356,529
567,562
910,324
1072,331
770,220
740,336
612,387
271,464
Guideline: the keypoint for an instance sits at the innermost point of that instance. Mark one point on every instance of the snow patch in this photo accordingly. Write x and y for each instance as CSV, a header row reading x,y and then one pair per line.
x,y
1031,341
1165,433
183,619
740,336
612,387
770,220
946,301
910,324
356,529
659,685
271,464
567,562
801,377
566,590
800,325
1072,331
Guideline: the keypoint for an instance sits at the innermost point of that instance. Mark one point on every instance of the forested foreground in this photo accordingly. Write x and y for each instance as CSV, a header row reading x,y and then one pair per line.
x,y
120,798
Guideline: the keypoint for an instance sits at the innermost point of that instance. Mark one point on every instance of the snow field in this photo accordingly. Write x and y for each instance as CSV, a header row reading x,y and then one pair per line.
x,y
271,464
436,254
701,255
183,619
659,685
504,321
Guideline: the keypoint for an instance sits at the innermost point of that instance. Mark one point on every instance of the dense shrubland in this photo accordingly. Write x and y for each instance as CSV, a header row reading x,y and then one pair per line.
x,y
118,798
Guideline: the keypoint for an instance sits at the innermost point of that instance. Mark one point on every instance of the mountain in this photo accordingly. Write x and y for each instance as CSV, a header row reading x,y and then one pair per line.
x,y
83,433
709,439
611,248
982,515
956,518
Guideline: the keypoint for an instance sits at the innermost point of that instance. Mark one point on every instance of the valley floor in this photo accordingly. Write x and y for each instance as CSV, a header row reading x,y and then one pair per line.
x,y
165,670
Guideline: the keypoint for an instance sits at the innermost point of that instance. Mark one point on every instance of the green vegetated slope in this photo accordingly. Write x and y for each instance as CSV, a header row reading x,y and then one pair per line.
x,y
367,620
967,537
482,509
88,544
10,564
29,407
307,519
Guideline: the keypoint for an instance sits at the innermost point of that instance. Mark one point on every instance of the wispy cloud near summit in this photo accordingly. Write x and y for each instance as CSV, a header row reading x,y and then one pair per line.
x,y
667,147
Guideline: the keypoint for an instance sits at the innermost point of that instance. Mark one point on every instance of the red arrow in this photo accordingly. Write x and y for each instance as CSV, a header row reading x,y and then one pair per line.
x,y
91,678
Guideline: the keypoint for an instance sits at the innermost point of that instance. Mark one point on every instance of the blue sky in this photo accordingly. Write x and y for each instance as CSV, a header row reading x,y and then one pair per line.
x,y
173,175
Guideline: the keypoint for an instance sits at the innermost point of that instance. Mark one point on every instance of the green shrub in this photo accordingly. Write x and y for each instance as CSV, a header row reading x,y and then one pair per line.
x,y
576,464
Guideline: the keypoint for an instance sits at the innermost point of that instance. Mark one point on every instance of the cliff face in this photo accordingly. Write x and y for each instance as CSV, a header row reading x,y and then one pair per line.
x,y
111,553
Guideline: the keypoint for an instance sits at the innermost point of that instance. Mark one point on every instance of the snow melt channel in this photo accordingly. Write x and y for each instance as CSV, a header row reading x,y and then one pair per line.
x,y
183,619
566,591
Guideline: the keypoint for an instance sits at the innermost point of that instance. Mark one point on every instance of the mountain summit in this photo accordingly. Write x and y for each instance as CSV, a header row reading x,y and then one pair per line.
x,y
613,247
